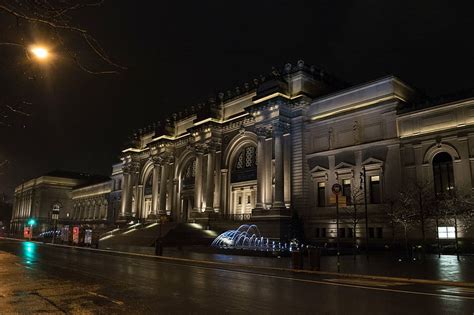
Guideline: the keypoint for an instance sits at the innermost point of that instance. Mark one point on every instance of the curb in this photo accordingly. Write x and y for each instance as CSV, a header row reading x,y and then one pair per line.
x,y
295,271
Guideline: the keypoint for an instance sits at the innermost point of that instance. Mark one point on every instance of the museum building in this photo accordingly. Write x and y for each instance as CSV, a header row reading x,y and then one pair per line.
x,y
276,146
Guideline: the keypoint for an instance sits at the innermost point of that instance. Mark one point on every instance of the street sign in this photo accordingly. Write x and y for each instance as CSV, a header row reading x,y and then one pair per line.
x,y
336,189
26,232
88,237
75,235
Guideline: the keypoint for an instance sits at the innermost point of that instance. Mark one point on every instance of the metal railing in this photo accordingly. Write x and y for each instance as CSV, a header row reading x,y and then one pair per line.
x,y
230,216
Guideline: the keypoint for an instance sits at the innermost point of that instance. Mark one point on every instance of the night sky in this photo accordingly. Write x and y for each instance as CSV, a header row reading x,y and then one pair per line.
x,y
178,54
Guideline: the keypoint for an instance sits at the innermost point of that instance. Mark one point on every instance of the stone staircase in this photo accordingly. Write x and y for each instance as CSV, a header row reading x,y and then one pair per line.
x,y
185,234
171,234
136,235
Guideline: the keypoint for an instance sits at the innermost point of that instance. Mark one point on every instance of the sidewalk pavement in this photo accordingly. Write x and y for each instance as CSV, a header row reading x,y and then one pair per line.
x,y
379,263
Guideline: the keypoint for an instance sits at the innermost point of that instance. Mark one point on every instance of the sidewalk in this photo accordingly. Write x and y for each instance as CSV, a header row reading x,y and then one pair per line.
x,y
379,264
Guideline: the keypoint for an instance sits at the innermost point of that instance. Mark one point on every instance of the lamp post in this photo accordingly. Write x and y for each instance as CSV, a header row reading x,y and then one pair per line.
x,y
363,177
336,189
40,52
31,222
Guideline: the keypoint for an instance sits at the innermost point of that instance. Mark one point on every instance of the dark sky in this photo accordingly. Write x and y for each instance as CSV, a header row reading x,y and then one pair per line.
x,y
178,54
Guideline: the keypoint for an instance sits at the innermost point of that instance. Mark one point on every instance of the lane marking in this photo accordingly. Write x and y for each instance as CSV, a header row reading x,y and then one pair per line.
x,y
458,290
364,282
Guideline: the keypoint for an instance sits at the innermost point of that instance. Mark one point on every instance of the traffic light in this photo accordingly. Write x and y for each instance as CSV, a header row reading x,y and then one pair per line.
x,y
31,222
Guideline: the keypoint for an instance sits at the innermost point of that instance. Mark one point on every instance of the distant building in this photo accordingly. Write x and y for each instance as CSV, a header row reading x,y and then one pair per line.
x,y
82,198
276,146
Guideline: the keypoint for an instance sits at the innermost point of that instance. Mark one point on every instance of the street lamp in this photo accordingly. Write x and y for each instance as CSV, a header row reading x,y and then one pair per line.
x,y
363,184
40,52
31,222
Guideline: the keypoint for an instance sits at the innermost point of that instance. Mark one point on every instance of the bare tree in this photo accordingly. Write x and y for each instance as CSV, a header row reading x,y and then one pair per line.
x,y
456,208
57,19
402,213
351,210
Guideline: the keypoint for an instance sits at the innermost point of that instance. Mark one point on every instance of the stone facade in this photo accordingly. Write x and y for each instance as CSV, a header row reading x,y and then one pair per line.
x,y
82,198
276,146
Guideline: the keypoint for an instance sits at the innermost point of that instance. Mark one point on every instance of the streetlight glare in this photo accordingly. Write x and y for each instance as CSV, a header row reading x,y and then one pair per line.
x,y
40,52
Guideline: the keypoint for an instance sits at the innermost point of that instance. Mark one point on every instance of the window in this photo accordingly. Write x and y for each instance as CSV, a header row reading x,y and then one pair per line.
x,y
371,232
379,232
342,232
246,158
321,194
317,232
346,190
245,166
240,200
149,185
189,174
443,173
323,232
374,189
350,233
446,232
248,199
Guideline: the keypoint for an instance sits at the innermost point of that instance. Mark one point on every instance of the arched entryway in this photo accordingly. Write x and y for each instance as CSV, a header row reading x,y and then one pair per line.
x,y
243,181
187,182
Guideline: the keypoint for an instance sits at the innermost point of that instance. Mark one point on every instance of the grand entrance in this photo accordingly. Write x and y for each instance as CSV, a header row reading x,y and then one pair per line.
x,y
243,183
188,179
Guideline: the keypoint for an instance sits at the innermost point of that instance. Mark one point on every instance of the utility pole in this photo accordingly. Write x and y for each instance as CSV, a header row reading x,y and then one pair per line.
x,y
363,178
336,189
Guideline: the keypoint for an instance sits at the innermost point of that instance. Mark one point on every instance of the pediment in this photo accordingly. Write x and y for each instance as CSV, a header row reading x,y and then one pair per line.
x,y
318,168
343,165
372,161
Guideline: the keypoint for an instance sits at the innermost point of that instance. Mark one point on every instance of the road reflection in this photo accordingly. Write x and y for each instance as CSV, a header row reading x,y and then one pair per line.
x,y
29,252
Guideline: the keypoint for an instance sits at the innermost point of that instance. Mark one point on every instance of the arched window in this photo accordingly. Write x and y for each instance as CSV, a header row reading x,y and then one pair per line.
x,y
245,166
443,173
246,158
189,173
149,185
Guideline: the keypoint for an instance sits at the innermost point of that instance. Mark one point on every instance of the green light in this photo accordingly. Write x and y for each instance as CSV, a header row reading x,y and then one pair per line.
x,y
32,222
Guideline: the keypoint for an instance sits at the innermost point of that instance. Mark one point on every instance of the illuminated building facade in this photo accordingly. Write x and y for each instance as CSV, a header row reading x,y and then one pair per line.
x,y
276,147
81,199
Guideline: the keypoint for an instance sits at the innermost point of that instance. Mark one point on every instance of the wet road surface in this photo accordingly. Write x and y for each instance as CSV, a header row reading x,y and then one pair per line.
x,y
51,279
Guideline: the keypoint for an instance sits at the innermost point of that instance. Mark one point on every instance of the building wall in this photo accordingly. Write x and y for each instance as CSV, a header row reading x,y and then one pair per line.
x,y
306,133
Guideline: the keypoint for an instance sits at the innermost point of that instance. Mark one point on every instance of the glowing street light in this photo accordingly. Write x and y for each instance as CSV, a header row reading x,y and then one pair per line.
x,y
40,52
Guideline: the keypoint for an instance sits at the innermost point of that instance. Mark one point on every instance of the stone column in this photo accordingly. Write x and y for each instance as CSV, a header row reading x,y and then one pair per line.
x,y
268,170
139,202
126,197
134,188
260,171
175,201
155,191
224,192
198,182
217,182
210,179
163,186
169,188
278,202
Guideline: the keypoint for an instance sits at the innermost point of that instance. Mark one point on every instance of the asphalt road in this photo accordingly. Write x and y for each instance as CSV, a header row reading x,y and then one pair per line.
x,y
44,278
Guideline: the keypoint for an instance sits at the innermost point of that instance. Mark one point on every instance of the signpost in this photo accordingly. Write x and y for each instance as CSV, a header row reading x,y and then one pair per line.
x,y
55,218
75,235
31,222
336,189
